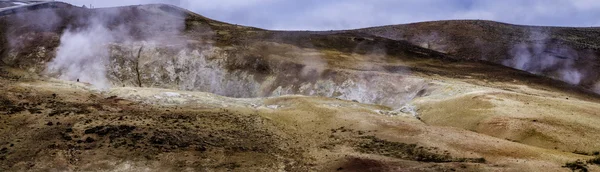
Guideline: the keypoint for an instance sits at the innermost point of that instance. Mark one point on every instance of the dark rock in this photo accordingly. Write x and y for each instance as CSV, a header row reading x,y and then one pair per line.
x,y
49,124
12,109
57,112
136,136
53,146
66,136
90,140
34,111
201,149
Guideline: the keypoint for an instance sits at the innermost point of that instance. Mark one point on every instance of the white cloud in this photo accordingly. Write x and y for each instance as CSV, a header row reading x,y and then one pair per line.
x,y
346,14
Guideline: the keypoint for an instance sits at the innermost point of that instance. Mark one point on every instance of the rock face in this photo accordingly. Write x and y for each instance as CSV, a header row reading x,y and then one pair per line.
x,y
215,70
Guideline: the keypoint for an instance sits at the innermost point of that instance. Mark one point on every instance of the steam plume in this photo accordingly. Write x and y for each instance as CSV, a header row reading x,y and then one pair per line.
x,y
540,56
83,55
85,52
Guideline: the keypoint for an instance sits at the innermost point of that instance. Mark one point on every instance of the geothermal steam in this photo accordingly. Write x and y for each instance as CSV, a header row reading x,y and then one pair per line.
x,y
83,55
537,55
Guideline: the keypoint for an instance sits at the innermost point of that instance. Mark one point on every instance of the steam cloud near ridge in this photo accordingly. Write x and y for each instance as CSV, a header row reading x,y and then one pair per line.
x,y
84,52
537,55
83,55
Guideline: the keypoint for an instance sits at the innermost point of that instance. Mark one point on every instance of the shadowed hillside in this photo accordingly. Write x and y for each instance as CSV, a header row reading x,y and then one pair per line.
x,y
568,54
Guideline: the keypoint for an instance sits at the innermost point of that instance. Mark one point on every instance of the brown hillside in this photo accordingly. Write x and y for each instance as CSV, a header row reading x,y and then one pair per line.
x,y
496,42
159,88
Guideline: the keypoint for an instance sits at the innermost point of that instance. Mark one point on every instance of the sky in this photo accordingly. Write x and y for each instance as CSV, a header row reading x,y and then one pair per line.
x,y
350,14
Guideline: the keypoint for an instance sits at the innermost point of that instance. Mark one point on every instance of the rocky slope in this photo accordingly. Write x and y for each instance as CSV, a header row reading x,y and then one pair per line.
x,y
158,88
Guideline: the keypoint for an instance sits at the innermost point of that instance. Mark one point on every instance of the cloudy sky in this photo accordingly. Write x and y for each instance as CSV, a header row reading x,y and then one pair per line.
x,y
347,14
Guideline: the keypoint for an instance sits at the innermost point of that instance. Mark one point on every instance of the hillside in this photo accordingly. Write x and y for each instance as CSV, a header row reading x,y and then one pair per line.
x,y
159,88
567,54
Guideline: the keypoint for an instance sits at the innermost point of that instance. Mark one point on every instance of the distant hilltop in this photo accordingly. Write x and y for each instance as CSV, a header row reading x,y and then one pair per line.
x,y
12,3
23,2
26,1
172,2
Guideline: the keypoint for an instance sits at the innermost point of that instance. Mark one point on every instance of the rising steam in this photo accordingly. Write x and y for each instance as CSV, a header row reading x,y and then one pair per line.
x,y
83,55
539,56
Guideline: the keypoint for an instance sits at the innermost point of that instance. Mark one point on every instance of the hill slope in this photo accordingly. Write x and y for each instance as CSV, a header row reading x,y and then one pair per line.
x,y
568,54
158,88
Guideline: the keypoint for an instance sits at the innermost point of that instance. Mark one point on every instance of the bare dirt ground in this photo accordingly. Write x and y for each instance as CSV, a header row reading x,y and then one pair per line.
x,y
56,125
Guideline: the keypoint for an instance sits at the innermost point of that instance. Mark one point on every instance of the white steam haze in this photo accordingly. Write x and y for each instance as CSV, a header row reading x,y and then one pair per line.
x,y
597,87
347,14
83,54
314,65
537,55
432,41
